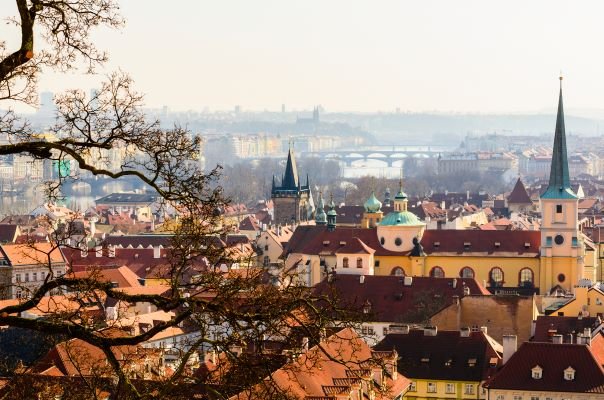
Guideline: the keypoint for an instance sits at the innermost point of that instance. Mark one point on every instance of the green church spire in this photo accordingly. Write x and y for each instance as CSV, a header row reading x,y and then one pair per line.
x,y
559,180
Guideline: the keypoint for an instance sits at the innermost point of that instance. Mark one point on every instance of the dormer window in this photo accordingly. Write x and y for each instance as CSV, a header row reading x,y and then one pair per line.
x,y
436,244
497,244
537,372
569,374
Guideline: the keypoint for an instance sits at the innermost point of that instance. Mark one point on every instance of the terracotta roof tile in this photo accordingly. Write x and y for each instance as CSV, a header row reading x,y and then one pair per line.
x,y
38,253
554,359
546,326
446,356
391,300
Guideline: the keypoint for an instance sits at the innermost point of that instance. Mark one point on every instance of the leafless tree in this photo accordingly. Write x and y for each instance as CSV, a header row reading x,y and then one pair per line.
x,y
222,311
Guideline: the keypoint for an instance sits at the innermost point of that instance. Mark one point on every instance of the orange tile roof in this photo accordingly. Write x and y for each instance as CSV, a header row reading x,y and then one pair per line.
x,y
122,276
28,254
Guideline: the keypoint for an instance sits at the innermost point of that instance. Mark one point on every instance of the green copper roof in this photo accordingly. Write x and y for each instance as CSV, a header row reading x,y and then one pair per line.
x,y
400,195
559,180
372,204
332,208
400,218
320,217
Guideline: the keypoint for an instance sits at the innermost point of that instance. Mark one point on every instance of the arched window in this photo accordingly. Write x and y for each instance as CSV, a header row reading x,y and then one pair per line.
x,y
345,262
496,277
466,272
525,277
359,262
437,272
398,271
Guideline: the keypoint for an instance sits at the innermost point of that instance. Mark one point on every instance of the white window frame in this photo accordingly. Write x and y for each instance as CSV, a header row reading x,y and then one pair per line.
x,y
468,388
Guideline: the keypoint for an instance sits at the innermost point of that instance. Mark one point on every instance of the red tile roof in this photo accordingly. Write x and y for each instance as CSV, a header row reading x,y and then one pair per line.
x,y
312,239
249,223
391,300
446,356
315,239
138,260
355,246
512,243
553,359
546,326
138,240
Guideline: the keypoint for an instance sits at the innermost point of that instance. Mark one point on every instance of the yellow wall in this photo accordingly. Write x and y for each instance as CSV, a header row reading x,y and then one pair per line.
x,y
420,266
586,300
421,391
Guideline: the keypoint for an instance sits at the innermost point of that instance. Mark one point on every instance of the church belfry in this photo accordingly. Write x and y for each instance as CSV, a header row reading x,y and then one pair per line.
x,y
561,245
291,198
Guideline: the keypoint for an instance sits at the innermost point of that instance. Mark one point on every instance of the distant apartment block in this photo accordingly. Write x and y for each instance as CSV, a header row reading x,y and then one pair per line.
x,y
477,162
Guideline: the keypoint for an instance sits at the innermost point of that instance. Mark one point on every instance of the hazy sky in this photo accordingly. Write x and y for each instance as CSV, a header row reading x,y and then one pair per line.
x,y
356,55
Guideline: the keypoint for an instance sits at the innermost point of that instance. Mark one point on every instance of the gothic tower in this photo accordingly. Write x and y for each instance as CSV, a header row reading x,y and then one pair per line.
x,y
291,198
562,249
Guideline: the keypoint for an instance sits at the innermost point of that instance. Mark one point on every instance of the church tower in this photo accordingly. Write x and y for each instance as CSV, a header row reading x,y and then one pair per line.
x,y
291,198
561,245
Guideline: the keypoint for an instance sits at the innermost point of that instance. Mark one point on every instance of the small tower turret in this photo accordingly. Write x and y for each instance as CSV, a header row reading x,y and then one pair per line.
x,y
373,212
331,216
320,215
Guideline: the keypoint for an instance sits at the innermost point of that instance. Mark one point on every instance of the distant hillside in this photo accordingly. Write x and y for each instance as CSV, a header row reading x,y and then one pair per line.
x,y
451,128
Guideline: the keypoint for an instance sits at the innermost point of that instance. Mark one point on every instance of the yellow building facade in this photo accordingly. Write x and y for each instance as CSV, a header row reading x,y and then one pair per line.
x,y
525,262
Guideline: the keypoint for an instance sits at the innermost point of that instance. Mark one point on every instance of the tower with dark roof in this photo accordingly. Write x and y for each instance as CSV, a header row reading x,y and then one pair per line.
x,y
562,248
519,200
291,198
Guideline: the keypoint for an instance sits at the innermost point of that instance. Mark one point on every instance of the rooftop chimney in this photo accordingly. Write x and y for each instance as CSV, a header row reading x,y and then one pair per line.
x,y
557,339
483,329
402,329
430,330
464,332
408,280
362,279
510,345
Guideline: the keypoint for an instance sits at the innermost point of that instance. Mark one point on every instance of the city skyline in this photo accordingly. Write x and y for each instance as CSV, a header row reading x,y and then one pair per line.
x,y
352,56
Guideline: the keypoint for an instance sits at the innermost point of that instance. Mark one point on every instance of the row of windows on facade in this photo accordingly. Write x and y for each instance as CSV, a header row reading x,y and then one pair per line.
x,y
526,276
432,387
346,263
34,277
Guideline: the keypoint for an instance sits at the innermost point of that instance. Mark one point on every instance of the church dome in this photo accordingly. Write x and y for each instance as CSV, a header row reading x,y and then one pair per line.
x,y
372,205
401,218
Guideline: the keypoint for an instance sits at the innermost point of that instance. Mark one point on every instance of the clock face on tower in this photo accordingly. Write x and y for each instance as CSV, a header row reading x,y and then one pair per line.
x,y
559,239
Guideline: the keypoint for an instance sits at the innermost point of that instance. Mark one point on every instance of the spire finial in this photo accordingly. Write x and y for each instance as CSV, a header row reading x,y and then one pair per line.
x,y
400,181
561,77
